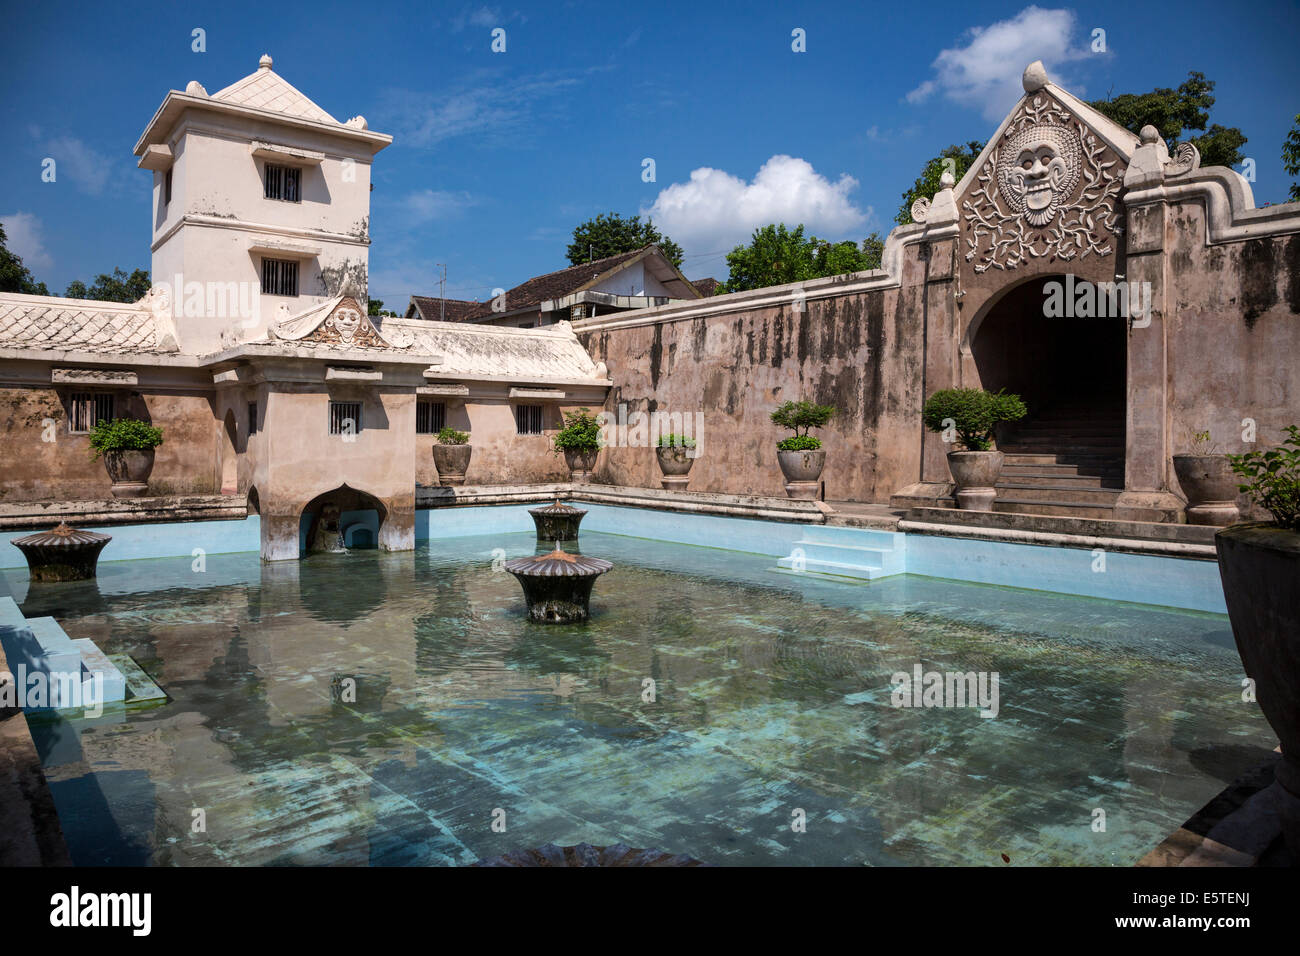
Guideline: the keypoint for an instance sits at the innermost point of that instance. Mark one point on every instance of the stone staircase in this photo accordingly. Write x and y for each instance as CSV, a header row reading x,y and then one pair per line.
x,y
844,552
1067,461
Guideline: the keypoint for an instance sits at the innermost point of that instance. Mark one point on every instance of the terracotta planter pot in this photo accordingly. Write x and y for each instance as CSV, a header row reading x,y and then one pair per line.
x,y
129,468
802,469
675,465
452,461
1259,565
580,463
975,472
1210,487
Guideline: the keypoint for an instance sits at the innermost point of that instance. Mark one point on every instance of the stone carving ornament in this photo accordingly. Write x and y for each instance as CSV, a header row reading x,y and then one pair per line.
x,y
1048,188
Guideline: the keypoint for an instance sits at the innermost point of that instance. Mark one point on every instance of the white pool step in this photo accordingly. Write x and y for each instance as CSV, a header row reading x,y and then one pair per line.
x,y
863,553
41,645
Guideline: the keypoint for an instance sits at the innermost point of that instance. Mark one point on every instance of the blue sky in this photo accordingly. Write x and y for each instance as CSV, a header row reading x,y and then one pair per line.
x,y
498,155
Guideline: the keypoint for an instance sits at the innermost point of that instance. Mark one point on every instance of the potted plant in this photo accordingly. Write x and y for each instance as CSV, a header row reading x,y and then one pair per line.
x,y
1259,564
675,460
968,417
127,447
1208,483
451,454
579,442
801,455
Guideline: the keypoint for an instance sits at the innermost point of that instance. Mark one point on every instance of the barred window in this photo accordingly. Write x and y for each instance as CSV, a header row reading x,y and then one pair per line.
x,y
430,417
279,277
252,418
88,409
283,182
528,419
345,418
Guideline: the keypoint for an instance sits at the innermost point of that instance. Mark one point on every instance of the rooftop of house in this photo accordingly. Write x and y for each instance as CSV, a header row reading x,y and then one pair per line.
x,y
530,295
432,309
263,94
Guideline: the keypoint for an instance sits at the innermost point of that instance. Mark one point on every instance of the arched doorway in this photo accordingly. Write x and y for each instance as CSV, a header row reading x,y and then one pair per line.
x,y
342,519
229,456
1067,358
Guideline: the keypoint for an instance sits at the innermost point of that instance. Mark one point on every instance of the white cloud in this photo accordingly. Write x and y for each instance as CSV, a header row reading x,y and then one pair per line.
x,y
75,162
26,241
427,205
985,72
716,210
493,110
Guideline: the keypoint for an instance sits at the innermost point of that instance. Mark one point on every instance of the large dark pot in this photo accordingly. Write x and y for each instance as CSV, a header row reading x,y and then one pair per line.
x,y
802,469
675,464
580,463
975,472
452,461
1210,487
1259,565
129,468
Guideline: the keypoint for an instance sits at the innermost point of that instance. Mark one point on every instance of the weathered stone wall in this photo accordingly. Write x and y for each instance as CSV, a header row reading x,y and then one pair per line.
x,y
1233,334
33,469
860,352
501,456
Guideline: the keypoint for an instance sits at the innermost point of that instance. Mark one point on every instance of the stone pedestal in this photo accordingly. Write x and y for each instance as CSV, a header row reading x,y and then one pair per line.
x,y
679,483
62,554
557,586
557,522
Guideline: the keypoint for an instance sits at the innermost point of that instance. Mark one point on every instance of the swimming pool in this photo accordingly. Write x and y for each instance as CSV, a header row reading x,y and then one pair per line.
x,y
715,706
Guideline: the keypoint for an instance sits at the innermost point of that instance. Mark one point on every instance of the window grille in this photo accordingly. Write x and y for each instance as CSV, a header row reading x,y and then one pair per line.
x,y
279,277
345,418
430,417
284,183
88,409
528,419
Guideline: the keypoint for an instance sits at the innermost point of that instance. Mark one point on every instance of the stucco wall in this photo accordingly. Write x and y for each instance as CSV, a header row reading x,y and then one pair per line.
x,y
32,469
1233,334
859,352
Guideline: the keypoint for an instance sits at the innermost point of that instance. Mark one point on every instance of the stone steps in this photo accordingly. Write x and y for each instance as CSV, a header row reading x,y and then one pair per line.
x,y
1034,479
1046,493
859,553
1039,506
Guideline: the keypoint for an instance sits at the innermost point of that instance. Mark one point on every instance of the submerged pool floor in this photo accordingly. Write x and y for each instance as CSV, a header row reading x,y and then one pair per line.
x,y
772,700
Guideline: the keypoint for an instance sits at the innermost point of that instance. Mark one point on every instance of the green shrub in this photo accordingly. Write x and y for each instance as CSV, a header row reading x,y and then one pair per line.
x,y
973,413
581,432
799,443
801,417
1274,479
123,434
675,441
449,436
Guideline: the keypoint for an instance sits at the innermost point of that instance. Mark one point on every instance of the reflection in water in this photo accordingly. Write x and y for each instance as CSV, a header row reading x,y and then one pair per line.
x,y
372,708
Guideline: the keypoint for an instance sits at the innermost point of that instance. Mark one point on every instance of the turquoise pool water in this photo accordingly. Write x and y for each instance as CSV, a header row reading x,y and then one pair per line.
x,y
772,700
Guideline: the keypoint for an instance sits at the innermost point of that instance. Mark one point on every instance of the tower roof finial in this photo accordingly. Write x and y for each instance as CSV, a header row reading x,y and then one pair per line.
x,y
265,62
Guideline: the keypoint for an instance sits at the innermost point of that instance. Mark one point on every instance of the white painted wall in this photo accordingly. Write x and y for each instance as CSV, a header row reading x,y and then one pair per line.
x,y
218,209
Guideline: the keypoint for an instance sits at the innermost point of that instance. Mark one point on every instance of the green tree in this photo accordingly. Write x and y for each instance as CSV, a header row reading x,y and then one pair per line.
x,y
1291,158
777,255
958,158
118,287
1175,113
14,276
610,234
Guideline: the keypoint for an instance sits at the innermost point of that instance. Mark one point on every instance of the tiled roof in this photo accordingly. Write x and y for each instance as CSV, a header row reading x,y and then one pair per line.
x,y
707,287
268,90
47,322
532,293
429,308
556,285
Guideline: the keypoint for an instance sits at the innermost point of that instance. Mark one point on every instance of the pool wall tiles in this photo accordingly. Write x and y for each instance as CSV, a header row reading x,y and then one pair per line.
x,y
1146,579
164,540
